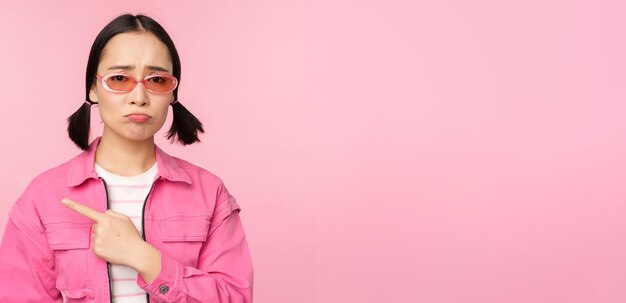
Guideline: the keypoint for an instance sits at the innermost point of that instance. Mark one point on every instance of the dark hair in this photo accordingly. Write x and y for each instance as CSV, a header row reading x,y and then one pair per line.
x,y
185,126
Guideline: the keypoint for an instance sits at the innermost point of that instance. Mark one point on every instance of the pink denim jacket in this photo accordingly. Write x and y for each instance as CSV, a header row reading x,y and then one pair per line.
x,y
46,255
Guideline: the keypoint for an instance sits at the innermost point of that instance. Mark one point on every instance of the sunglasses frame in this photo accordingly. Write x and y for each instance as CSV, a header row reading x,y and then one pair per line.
x,y
103,80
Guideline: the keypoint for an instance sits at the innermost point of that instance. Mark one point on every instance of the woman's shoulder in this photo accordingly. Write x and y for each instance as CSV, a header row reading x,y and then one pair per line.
x,y
204,178
39,190
198,172
56,173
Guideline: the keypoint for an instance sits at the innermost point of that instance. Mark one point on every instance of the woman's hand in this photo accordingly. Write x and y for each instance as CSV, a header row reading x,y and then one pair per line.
x,y
116,240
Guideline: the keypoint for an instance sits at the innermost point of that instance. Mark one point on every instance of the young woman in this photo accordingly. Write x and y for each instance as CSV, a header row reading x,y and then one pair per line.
x,y
123,221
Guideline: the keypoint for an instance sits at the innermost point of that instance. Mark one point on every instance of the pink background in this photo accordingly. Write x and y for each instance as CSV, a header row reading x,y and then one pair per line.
x,y
382,151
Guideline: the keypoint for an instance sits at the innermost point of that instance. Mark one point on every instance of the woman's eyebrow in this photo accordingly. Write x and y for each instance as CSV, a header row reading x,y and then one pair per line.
x,y
150,67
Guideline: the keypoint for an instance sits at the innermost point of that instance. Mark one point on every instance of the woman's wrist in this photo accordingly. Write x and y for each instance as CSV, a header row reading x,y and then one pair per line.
x,y
147,262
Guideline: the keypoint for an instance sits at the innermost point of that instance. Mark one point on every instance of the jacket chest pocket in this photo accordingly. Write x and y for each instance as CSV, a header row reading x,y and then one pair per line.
x,y
70,243
183,235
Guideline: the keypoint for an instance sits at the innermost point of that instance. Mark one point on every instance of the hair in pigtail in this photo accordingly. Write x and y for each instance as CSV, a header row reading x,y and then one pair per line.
x,y
185,126
78,125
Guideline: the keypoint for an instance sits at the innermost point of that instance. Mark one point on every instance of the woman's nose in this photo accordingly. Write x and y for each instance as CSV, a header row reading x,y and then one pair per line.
x,y
139,94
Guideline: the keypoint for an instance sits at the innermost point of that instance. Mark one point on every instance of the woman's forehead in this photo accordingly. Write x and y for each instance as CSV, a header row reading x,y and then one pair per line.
x,y
129,51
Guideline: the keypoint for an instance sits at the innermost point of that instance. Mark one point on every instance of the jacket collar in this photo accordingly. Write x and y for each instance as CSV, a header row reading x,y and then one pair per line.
x,y
82,167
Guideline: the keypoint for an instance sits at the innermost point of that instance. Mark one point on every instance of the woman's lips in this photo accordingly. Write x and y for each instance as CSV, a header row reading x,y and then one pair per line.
x,y
138,117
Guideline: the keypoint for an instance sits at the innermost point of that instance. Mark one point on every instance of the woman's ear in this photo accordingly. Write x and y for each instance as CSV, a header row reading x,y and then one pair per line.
x,y
93,96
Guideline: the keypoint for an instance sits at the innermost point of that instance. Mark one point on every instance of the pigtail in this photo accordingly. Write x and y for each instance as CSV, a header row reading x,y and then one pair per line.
x,y
78,125
185,126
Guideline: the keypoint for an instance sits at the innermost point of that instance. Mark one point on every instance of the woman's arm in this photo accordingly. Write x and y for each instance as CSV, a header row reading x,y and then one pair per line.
x,y
224,272
26,261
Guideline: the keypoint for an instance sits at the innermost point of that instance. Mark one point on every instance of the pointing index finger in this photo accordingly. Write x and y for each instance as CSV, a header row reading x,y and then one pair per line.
x,y
83,210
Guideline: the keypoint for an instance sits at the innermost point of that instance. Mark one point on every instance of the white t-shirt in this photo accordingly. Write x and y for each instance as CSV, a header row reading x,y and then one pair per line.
x,y
127,195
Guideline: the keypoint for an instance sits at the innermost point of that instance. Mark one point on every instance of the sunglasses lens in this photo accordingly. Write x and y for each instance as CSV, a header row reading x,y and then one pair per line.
x,y
160,84
119,83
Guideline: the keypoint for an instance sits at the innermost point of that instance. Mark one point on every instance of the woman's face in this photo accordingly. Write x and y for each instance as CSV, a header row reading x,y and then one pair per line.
x,y
137,54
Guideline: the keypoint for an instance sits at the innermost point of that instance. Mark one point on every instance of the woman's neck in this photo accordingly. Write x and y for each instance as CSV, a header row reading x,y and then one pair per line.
x,y
125,157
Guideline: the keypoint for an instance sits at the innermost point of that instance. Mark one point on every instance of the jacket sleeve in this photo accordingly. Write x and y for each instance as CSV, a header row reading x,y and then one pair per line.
x,y
224,273
26,261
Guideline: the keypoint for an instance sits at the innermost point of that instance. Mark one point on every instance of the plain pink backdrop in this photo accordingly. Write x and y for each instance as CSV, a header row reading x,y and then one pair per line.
x,y
381,151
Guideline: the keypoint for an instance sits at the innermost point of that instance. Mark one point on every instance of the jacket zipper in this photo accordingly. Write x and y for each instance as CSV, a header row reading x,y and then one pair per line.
x,y
106,192
143,229
143,232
